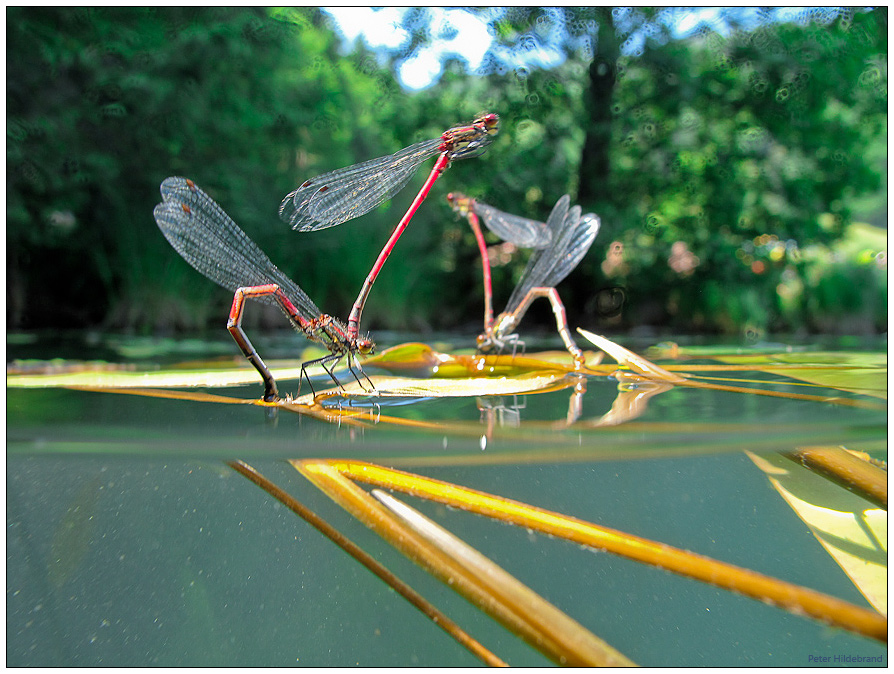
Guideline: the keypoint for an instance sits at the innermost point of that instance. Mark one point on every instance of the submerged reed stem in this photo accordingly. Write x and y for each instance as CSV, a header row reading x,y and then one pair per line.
x,y
408,593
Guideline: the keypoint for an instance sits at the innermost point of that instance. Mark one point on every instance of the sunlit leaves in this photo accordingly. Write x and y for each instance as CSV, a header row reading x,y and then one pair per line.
x,y
744,128
754,137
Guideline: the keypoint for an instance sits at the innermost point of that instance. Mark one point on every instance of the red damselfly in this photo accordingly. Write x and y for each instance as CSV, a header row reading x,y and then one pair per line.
x,y
208,239
568,236
514,229
338,196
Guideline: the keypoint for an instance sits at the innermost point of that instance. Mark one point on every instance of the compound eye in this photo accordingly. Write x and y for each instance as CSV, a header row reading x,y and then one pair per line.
x,y
365,346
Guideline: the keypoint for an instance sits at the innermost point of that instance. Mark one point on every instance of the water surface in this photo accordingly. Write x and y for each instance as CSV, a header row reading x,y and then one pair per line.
x,y
131,543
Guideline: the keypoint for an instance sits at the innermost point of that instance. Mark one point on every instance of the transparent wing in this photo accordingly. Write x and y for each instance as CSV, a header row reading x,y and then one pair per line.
x,y
557,218
579,239
338,196
572,237
208,239
515,229
537,267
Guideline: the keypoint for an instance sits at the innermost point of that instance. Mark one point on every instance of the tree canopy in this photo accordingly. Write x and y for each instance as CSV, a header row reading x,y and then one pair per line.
x,y
726,170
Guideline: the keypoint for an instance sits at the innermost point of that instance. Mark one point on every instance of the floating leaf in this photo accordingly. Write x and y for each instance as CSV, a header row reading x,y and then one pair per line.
x,y
421,360
864,373
403,387
677,352
142,379
836,369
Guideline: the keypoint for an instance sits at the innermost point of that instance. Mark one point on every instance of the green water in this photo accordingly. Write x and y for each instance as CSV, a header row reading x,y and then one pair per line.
x,y
130,543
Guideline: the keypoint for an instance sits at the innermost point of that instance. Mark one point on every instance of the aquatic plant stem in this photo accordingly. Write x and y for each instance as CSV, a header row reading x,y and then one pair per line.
x,y
842,467
408,593
504,598
789,596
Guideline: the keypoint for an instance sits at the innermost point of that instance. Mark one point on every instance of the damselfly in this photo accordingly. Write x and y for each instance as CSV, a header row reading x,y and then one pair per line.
x,y
560,243
338,196
208,239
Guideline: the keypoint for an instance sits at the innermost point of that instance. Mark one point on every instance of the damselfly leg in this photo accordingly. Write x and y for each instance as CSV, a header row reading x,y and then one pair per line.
x,y
332,358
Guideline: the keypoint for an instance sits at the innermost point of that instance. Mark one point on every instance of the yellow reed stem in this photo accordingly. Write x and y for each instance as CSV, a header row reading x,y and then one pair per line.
x,y
408,593
514,605
850,471
789,596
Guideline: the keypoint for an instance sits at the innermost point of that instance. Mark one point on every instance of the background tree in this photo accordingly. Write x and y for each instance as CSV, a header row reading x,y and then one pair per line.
x,y
725,169
738,152
104,103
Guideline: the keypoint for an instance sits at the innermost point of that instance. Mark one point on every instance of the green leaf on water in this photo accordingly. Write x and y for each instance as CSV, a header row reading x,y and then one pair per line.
x,y
864,373
406,387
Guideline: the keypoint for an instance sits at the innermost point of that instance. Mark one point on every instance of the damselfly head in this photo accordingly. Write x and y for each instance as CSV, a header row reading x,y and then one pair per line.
x,y
485,343
459,202
365,345
488,122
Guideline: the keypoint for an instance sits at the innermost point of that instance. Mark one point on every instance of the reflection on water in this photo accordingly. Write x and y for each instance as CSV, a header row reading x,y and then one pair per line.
x,y
129,542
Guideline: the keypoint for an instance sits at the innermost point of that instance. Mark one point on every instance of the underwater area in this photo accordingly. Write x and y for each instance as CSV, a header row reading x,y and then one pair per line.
x,y
133,541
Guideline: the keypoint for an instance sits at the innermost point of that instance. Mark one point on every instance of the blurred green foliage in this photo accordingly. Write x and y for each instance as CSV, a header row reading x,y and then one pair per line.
x,y
725,169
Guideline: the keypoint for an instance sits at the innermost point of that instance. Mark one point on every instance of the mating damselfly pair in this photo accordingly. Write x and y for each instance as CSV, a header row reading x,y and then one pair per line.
x,y
209,240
